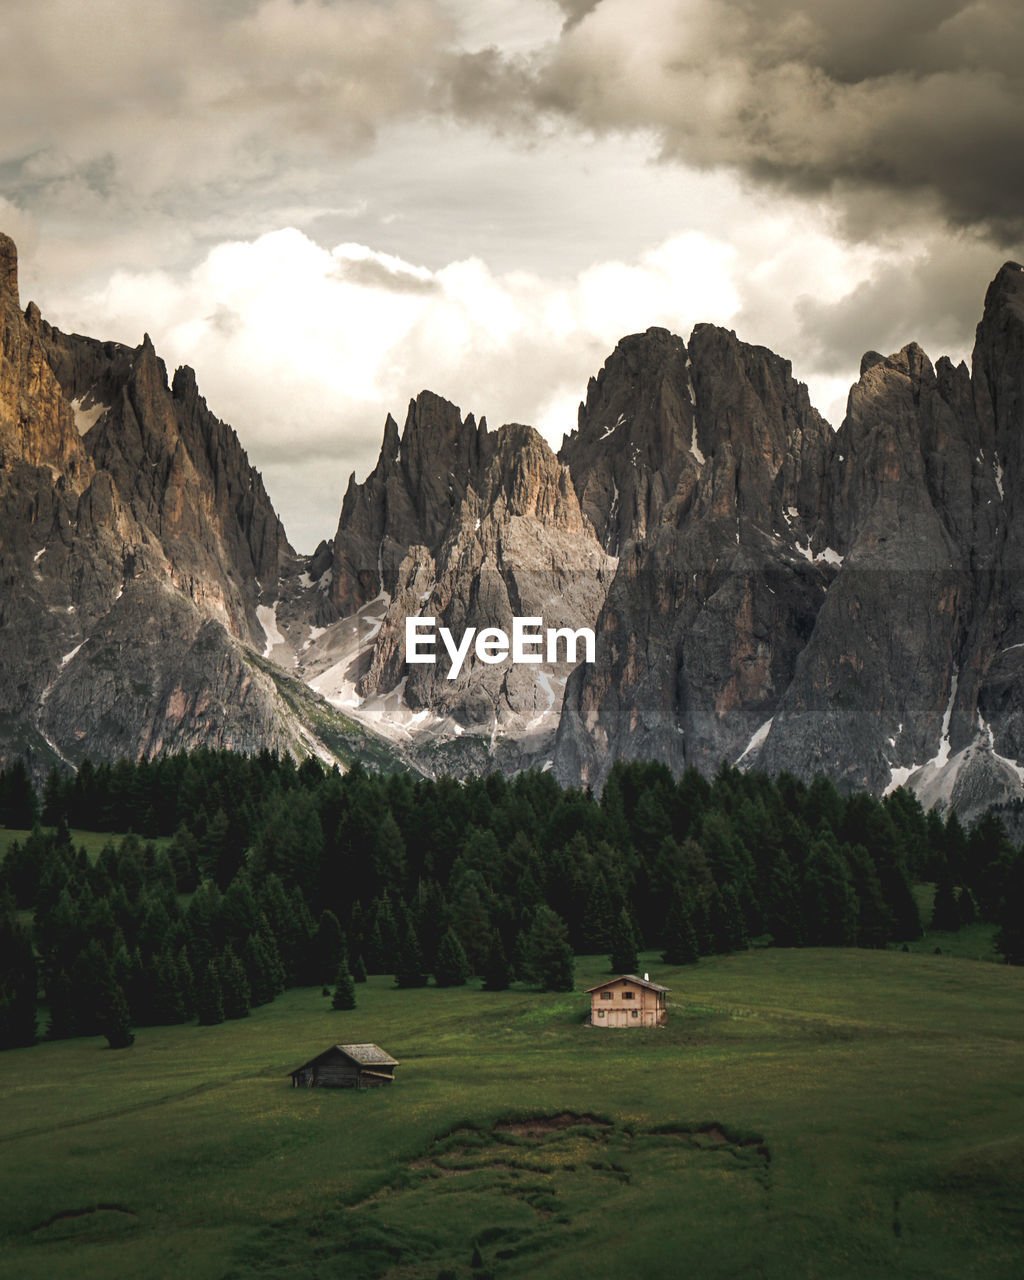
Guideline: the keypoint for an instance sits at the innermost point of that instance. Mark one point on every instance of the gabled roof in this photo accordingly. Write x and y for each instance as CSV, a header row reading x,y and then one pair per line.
x,y
629,977
363,1055
367,1054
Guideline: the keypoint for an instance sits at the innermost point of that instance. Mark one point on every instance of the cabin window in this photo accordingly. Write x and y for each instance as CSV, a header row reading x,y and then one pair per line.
x,y
606,995
636,1013
629,995
600,1013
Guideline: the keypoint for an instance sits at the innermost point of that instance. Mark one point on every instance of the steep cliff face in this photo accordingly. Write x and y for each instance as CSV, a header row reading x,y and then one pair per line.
x,y
470,528
720,568
771,592
875,678
846,603
181,470
56,583
134,537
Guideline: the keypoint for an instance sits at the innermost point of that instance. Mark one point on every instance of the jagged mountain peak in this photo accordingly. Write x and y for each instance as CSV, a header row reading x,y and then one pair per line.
x,y
8,269
136,530
1007,288
761,588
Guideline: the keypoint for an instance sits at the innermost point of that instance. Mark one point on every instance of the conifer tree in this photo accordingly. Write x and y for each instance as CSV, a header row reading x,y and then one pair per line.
x,y
344,988
409,971
547,960
19,981
237,995
945,908
258,971
209,997
327,947
116,1020
1009,940
451,968
680,935
497,970
598,926
874,919
623,958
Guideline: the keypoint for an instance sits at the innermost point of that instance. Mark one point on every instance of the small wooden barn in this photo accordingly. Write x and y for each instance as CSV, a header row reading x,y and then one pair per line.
x,y
628,1001
346,1066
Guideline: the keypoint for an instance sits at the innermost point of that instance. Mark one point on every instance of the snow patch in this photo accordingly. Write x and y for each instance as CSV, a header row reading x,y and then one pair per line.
x,y
609,430
941,757
756,741
68,657
694,447
39,554
999,478
547,683
86,419
268,621
900,775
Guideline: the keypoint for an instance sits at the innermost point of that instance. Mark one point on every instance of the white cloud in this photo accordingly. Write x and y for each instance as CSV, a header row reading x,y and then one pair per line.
x,y
304,350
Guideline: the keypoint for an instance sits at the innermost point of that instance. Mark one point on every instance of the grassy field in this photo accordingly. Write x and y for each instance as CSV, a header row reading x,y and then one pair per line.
x,y
805,1114
91,841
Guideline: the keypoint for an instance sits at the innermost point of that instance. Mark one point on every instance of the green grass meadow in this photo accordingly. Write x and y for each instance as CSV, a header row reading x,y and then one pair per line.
x,y
805,1114
92,842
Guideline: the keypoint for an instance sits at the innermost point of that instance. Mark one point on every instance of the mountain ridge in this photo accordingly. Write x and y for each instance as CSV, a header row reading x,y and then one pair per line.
x,y
763,589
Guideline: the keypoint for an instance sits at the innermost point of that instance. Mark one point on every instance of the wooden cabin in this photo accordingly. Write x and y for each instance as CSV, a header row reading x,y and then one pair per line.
x,y
628,1001
346,1066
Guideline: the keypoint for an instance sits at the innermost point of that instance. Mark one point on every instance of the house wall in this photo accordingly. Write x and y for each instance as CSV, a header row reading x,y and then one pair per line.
x,y
336,1075
627,1000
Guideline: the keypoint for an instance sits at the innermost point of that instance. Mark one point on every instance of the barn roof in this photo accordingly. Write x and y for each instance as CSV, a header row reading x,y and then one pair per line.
x,y
629,977
363,1055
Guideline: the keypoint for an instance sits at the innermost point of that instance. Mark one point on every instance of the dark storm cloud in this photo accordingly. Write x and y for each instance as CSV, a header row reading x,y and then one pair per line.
x,y
921,100
883,105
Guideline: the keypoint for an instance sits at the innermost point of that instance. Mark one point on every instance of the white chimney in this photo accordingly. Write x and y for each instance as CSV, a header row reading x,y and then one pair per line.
x,y
647,977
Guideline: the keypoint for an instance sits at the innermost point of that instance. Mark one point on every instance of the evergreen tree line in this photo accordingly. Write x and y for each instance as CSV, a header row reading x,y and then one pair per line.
x,y
277,875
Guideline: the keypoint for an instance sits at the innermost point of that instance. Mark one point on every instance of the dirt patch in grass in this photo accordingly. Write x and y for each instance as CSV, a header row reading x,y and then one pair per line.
x,y
541,1126
66,1215
90,1220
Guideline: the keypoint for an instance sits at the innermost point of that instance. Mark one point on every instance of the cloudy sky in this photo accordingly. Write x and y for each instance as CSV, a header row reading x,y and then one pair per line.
x,y
326,206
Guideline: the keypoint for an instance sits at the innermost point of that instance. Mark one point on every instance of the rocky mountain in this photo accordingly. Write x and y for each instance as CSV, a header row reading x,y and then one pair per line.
x,y
773,593
762,589
471,528
139,553
845,603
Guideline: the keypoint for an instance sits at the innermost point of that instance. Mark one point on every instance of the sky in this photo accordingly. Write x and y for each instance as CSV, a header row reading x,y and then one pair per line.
x,y
327,206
